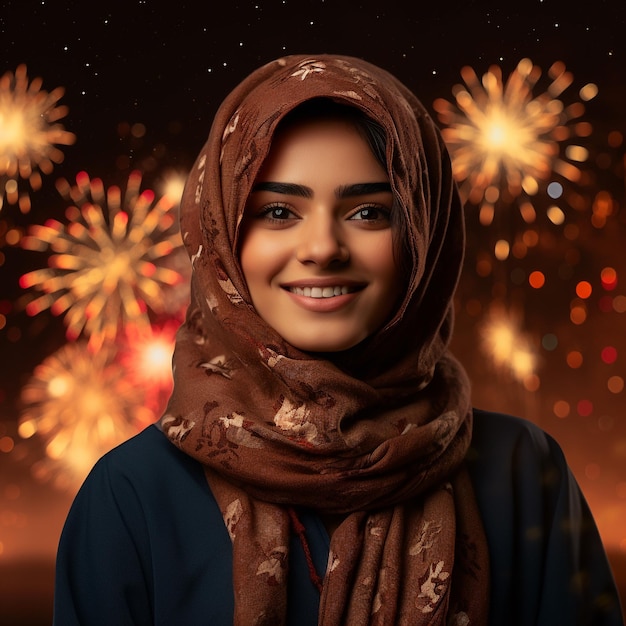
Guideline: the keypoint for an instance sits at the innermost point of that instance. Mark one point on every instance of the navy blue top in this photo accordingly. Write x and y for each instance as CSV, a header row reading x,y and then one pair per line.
x,y
145,543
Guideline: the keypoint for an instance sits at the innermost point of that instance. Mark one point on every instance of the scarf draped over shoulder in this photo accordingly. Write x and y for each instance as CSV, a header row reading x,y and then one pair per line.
x,y
377,435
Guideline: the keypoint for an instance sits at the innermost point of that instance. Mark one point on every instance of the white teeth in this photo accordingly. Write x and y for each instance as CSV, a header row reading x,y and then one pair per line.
x,y
320,292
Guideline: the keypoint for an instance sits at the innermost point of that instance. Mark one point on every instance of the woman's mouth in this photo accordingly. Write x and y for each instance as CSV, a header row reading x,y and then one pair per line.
x,y
321,292
324,298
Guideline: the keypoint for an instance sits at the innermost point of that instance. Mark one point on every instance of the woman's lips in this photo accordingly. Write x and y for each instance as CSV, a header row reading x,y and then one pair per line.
x,y
323,298
320,292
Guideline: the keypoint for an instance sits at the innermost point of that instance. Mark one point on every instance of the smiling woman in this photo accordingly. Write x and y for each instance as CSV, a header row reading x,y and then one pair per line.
x,y
317,251
320,461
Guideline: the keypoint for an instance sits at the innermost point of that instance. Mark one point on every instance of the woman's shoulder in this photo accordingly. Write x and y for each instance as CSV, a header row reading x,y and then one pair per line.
x,y
502,433
149,465
148,445
504,422
511,454
144,452
539,528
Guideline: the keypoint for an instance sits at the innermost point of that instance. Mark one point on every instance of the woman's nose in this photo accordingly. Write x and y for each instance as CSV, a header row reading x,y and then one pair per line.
x,y
321,242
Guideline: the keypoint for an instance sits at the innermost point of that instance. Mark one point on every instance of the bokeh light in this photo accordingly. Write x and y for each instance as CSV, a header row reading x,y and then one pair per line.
x,y
147,358
509,348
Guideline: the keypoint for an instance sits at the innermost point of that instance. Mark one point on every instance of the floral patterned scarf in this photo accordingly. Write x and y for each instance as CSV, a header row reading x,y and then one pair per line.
x,y
378,434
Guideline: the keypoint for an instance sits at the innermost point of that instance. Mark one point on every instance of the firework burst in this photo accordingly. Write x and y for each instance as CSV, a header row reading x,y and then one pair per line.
x,y
30,132
80,404
112,263
505,141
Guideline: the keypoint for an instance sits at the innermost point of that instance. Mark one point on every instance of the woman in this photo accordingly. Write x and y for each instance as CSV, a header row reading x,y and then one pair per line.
x,y
327,464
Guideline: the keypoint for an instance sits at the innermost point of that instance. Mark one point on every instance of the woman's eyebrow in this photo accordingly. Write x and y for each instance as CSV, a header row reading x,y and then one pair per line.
x,y
290,189
362,189
344,191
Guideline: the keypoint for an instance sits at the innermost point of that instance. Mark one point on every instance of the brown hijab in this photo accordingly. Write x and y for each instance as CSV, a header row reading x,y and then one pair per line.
x,y
379,433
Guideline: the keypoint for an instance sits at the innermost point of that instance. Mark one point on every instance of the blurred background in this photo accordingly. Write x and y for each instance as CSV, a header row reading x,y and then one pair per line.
x,y
103,108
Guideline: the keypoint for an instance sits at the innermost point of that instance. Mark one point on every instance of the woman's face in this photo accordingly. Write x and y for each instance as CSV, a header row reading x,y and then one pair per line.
x,y
317,249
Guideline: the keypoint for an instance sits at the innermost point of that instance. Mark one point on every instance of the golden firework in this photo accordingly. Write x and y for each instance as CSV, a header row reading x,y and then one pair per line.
x,y
505,141
112,263
81,404
30,132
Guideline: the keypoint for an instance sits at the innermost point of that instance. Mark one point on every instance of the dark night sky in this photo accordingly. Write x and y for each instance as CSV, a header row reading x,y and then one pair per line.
x,y
169,65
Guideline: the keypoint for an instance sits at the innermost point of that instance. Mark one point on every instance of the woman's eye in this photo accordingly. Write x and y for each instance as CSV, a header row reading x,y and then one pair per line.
x,y
277,213
371,213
